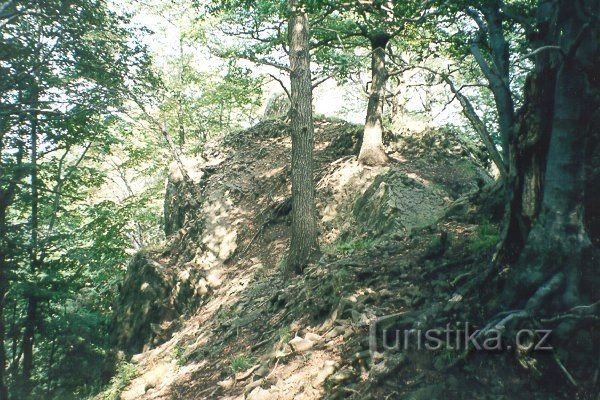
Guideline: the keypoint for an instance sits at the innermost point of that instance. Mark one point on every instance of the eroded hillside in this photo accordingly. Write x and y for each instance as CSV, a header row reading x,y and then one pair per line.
x,y
212,316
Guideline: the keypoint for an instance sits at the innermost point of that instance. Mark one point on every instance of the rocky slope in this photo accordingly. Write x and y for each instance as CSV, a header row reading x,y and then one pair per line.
x,y
211,316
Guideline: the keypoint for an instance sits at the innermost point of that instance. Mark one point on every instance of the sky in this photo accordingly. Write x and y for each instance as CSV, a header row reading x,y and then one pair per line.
x,y
167,19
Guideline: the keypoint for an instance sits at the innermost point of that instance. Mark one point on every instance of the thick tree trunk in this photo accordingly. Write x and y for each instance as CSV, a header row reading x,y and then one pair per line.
x,y
371,150
501,84
528,148
558,243
528,163
304,229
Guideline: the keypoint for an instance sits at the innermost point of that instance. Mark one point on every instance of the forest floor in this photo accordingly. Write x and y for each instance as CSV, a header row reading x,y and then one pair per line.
x,y
402,240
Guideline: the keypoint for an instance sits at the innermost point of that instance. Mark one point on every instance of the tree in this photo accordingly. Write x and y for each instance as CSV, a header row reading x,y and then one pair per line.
x,y
371,150
561,109
378,23
304,230
68,64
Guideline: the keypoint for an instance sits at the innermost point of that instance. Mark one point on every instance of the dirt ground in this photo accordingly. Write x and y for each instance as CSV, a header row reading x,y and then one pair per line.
x,y
253,333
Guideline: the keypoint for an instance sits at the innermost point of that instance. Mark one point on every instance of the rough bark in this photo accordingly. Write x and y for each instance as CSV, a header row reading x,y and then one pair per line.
x,y
304,231
529,147
371,150
558,242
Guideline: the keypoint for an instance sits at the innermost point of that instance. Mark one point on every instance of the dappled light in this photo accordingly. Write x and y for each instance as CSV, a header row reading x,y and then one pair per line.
x,y
299,200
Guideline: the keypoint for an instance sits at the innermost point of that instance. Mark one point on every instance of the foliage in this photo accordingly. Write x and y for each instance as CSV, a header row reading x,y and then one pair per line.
x,y
241,363
124,374
69,66
360,244
485,237
90,121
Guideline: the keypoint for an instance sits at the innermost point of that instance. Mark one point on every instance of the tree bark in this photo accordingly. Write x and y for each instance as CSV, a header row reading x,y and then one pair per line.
x,y
304,230
529,147
371,150
558,241
498,72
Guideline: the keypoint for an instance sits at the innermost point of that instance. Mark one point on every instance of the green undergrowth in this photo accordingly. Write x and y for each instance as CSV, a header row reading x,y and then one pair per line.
x,y
241,363
125,373
486,236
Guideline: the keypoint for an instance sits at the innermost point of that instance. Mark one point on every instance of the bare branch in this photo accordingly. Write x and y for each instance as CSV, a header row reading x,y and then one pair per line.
x,y
287,92
540,49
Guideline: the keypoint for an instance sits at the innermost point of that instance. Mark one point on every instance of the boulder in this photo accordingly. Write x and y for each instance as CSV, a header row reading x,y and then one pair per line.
x,y
397,203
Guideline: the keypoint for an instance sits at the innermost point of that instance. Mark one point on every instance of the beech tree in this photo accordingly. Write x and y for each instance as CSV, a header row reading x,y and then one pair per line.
x,y
552,250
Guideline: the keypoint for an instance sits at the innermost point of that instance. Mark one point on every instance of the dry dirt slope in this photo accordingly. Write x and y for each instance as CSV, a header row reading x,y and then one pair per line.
x,y
211,316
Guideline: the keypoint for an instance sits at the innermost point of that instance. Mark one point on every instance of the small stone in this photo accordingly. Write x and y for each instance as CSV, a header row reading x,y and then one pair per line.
x,y
299,344
226,383
137,358
340,376
260,394
313,337
326,371
335,332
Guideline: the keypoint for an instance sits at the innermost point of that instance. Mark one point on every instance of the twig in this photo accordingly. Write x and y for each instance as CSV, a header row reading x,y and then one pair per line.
x,y
540,49
287,92
580,312
563,369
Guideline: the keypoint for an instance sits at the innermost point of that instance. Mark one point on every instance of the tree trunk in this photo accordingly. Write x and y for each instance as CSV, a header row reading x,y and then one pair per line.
x,y
371,150
498,72
304,229
14,333
558,243
3,290
529,147
30,318
6,199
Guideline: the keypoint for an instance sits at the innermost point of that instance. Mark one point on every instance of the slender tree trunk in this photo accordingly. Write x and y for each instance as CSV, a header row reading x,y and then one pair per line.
x,y
479,127
32,301
558,244
6,198
371,150
50,367
3,290
14,350
304,230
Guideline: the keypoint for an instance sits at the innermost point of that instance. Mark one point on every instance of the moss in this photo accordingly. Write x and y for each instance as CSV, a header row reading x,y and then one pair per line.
x,y
180,355
340,279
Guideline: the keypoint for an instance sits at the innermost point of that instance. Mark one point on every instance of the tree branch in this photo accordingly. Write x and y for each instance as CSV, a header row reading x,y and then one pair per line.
x,y
287,92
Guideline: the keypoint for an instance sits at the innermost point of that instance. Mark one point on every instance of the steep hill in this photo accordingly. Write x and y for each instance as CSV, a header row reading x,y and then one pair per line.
x,y
211,315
